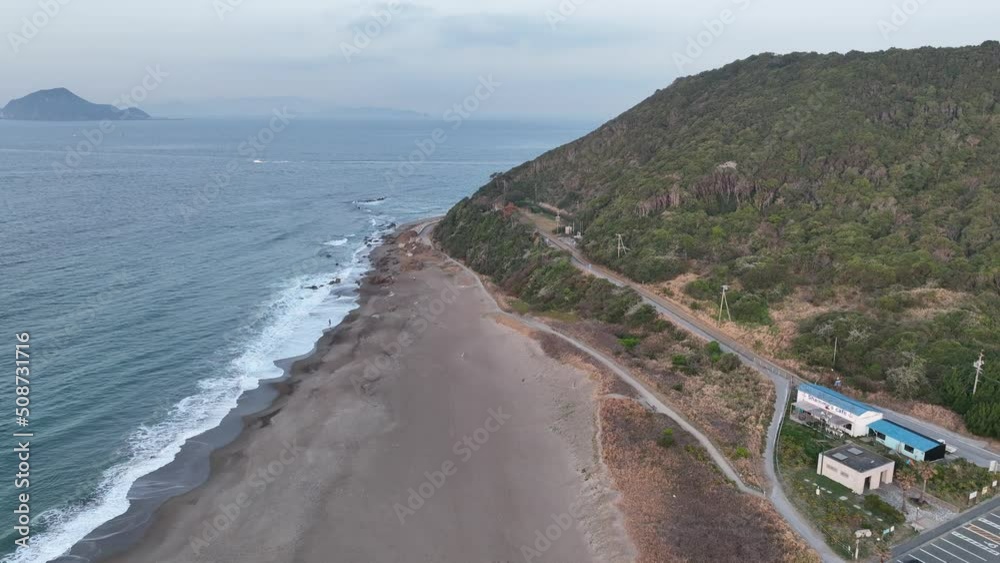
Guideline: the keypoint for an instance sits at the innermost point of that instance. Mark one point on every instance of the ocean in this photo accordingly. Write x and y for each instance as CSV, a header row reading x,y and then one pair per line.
x,y
162,268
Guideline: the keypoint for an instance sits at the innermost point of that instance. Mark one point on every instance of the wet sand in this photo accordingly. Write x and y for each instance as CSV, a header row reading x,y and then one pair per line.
x,y
420,430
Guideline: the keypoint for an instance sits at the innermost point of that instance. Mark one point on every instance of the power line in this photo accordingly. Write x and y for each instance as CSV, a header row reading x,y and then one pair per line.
x,y
725,302
621,247
979,371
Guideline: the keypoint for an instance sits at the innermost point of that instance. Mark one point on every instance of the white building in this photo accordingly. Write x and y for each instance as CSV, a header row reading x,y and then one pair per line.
x,y
856,468
840,412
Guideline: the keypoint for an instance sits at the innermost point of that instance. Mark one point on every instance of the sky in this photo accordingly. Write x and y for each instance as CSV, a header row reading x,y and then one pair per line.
x,y
541,58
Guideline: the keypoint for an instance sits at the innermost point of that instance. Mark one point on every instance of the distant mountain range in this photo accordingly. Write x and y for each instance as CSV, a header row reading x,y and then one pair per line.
x,y
262,106
59,104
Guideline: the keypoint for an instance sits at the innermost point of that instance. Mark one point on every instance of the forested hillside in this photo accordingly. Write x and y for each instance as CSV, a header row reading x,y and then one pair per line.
x,y
855,182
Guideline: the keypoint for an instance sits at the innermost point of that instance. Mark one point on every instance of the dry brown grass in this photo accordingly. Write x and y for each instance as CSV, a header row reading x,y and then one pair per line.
x,y
934,301
732,409
607,382
677,506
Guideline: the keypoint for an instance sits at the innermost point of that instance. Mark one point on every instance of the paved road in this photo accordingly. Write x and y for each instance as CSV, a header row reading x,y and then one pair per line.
x,y
972,538
775,494
969,448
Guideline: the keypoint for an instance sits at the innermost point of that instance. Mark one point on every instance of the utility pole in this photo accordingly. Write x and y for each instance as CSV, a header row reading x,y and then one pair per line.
x,y
836,342
980,363
724,302
621,247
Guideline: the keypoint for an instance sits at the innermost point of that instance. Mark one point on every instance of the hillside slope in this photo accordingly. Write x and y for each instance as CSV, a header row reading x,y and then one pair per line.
x,y
864,185
59,104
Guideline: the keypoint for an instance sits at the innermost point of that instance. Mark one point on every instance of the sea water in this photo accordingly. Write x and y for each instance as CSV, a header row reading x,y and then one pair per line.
x,y
162,267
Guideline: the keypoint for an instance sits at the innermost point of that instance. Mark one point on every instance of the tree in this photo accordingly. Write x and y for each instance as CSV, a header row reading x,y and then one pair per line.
x,y
926,471
984,418
909,379
906,481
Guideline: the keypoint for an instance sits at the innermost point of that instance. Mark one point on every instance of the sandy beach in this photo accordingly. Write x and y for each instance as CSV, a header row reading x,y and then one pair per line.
x,y
421,430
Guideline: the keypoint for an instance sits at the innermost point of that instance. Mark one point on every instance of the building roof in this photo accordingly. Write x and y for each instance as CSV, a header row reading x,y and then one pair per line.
x,y
850,405
904,435
857,458
822,414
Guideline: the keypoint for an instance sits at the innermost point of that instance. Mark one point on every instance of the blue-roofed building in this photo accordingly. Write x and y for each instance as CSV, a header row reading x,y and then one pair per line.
x,y
905,441
840,413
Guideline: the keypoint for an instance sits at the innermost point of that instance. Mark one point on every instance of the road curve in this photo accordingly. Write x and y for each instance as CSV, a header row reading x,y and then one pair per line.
x,y
774,494
969,448
648,396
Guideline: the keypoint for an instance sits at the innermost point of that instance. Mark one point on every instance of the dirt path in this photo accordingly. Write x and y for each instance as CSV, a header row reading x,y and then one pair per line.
x,y
775,493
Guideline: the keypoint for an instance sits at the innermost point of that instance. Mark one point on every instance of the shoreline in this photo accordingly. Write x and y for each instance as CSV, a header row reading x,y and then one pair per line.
x,y
194,464
159,537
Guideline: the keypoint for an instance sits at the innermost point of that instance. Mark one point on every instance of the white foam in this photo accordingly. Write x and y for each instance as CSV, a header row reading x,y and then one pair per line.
x,y
293,321
371,202
336,242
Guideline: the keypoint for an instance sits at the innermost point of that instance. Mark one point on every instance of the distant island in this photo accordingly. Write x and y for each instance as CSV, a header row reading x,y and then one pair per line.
x,y
59,104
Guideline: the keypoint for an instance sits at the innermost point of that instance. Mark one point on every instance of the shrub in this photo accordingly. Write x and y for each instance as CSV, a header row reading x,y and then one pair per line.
x,y
702,290
680,361
629,342
643,316
749,308
714,351
666,438
874,504
729,363
984,419
741,453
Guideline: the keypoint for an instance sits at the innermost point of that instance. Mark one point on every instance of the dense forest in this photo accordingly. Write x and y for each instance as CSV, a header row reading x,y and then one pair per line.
x,y
815,177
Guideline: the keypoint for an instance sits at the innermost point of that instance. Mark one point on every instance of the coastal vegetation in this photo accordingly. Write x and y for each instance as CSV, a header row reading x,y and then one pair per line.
x,y
729,401
861,184
497,245
678,505
954,481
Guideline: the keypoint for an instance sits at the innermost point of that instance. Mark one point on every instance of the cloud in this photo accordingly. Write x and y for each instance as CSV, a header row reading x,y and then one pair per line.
x,y
600,58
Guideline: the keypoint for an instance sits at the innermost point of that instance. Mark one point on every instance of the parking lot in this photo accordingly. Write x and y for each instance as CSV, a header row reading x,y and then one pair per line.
x,y
975,541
